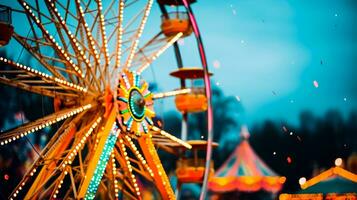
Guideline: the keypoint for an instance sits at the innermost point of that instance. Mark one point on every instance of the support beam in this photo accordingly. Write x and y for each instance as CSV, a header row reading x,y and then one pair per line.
x,y
103,136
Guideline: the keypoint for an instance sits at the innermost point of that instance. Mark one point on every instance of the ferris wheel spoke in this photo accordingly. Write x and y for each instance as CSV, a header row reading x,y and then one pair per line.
x,y
75,43
42,174
36,90
57,185
67,10
36,81
157,53
88,31
144,167
80,141
125,186
138,167
50,38
171,137
161,180
40,190
138,33
35,51
126,165
141,54
30,172
113,175
99,157
77,146
109,7
119,34
104,47
171,93
50,169
119,43
21,131
99,25
91,42
83,54
53,156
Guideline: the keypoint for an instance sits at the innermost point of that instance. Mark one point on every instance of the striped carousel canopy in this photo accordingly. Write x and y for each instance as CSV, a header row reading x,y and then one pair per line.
x,y
244,171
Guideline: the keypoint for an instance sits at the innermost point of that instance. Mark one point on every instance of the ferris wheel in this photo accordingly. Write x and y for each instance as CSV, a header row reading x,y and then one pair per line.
x,y
88,59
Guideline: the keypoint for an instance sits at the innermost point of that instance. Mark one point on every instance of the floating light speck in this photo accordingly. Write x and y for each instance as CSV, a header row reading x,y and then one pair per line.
x,y
316,84
216,64
238,98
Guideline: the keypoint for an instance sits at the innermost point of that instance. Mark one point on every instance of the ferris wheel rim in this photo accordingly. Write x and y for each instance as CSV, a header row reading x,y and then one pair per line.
x,y
208,91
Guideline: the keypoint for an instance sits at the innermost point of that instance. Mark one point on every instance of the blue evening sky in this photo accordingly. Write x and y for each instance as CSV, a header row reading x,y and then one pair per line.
x,y
268,53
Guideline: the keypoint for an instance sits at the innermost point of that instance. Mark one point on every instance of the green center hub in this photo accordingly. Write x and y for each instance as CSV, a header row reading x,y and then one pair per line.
x,y
136,104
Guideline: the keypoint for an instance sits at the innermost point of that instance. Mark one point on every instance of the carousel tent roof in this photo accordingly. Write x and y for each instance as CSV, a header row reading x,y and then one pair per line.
x,y
245,171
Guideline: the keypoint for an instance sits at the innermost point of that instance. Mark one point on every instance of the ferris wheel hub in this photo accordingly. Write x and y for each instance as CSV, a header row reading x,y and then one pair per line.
x,y
135,103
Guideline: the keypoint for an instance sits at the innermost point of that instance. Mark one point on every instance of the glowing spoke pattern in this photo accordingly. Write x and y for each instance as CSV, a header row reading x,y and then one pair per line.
x,y
39,124
47,77
139,156
171,93
88,33
98,105
154,162
129,167
101,165
31,172
50,38
171,137
59,183
80,144
115,181
104,36
120,33
73,40
138,34
159,52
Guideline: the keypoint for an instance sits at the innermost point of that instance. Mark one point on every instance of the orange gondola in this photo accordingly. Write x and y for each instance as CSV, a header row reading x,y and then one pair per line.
x,y
196,101
191,169
174,23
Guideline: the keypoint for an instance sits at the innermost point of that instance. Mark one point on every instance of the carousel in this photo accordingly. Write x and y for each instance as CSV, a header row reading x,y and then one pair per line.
x,y
244,172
